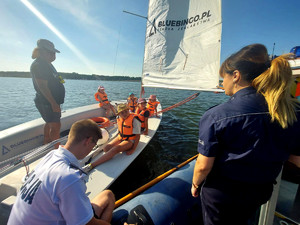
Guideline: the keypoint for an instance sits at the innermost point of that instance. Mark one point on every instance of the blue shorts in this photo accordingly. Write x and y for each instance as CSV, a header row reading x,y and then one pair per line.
x,y
46,111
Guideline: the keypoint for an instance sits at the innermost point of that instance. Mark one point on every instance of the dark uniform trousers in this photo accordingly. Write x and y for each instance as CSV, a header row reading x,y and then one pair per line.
x,y
229,202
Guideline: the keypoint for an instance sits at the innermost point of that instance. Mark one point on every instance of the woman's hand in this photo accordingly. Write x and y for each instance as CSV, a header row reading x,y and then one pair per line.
x,y
195,191
55,107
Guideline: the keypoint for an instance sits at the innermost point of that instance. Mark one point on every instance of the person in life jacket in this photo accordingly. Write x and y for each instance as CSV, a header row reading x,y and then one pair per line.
x,y
143,114
132,102
152,105
129,127
295,88
101,97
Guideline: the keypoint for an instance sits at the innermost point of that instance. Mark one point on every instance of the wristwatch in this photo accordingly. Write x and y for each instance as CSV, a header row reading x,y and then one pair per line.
x,y
87,168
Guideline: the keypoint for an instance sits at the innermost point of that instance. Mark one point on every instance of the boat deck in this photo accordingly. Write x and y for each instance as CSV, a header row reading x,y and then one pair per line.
x,y
288,203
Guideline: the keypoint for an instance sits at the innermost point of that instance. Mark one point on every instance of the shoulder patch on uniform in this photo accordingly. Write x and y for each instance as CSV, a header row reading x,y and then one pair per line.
x,y
201,142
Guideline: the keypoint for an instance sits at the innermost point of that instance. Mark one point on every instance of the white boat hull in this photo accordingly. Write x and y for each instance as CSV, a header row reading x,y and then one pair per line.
x,y
98,179
295,65
26,136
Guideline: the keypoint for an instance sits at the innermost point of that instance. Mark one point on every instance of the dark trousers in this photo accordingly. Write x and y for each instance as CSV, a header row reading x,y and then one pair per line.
x,y
227,202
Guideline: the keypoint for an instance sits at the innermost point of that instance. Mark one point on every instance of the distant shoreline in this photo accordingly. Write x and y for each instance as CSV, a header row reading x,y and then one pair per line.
x,y
73,76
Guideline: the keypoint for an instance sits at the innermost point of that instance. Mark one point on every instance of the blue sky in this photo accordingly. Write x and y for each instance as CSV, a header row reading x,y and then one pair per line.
x,y
96,37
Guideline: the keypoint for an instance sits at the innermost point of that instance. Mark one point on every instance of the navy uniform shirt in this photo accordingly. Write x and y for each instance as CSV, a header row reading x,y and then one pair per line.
x,y
247,146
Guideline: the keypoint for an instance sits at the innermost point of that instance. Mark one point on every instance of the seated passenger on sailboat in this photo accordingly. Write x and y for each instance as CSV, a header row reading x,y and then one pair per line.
x,y
101,97
132,102
143,113
129,126
152,105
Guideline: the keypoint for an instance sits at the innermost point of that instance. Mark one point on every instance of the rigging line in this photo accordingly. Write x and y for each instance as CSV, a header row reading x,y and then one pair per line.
x,y
185,61
26,167
180,103
117,47
135,14
49,146
26,156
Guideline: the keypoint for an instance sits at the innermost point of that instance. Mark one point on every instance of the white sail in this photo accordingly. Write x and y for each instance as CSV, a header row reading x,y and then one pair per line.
x,y
182,45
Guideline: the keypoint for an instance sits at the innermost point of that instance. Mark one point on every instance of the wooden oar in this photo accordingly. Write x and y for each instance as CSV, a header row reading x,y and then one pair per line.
x,y
151,183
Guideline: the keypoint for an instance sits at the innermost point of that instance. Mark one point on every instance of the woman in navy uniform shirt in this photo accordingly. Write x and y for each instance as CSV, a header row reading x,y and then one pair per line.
x,y
244,142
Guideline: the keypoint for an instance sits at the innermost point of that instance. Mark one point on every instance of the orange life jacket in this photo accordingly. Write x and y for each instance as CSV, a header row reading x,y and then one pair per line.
x,y
140,114
125,127
151,106
132,103
101,96
295,87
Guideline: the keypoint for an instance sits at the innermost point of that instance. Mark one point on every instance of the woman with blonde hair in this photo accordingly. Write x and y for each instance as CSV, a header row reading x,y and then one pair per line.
x,y
244,142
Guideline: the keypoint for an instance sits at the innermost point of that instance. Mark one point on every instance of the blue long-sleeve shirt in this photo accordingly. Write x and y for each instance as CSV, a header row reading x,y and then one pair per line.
x,y
247,146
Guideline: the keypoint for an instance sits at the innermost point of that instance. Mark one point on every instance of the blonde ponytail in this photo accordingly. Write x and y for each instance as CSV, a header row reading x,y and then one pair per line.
x,y
274,84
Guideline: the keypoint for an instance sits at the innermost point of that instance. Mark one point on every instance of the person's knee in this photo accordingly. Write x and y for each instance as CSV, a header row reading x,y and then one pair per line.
x,y
55,126
116,149
106,196
55,130
110,195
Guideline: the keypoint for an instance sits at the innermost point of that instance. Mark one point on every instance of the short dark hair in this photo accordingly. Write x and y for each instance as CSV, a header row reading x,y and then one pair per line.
x,y
83,129
251,61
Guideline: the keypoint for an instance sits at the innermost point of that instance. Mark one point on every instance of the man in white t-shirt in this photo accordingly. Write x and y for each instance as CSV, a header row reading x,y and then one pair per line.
x,y
54,193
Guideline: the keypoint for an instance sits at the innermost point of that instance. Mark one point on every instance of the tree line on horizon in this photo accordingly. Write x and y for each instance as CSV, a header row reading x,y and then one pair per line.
x,y
73,76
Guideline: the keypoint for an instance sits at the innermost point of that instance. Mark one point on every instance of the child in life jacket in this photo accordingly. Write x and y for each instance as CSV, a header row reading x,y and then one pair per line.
x,y
152,105
101,97
129,127
143,113
132,102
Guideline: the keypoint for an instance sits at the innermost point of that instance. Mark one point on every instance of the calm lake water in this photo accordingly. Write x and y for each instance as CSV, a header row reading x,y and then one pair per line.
x,y
174,142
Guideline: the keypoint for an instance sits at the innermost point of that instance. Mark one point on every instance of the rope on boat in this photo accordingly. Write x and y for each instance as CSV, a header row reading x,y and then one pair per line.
x,y
26,167
180,103
10,163
151,183
25,157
